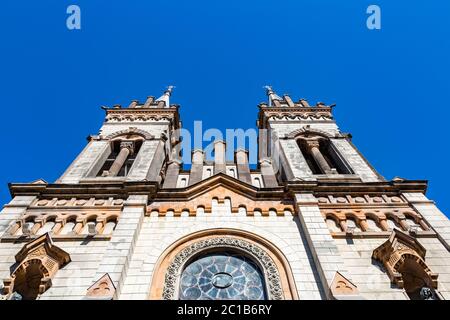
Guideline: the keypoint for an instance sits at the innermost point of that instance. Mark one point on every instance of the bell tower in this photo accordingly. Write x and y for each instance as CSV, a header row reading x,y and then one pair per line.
x,y
132,145
307,144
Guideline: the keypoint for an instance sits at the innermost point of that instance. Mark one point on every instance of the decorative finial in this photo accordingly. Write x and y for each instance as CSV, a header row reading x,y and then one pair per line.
x,y
272,95
166,95
169,90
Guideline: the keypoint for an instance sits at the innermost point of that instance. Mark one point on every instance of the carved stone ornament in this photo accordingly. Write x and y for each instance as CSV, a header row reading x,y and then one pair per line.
x,y
341,286
396,251
270,270
39,254
103,288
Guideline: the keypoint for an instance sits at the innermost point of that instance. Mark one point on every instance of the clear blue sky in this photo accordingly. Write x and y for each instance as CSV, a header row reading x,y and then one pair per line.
x,y
391,86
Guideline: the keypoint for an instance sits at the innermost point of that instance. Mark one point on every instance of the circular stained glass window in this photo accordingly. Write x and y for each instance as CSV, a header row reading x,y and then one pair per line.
x,y
222,276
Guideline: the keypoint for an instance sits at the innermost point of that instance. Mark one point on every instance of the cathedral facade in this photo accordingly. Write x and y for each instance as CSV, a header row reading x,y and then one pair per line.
x,y
314,220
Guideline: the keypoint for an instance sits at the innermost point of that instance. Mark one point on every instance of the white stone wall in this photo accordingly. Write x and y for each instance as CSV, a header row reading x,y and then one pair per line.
x,y
158,233
295,160
83,164
141,166
355,160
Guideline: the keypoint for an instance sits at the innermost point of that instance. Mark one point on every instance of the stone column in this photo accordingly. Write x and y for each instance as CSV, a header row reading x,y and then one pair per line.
x,y
126,148
219,157
384,225
243,168
318,157
58,226
37,226
197,167
364,225
78,226
343,224
403,223
423,225
14,228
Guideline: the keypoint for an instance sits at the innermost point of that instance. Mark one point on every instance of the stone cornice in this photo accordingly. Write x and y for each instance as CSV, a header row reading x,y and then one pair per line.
x,y
120,189
392,187
298,113
115,115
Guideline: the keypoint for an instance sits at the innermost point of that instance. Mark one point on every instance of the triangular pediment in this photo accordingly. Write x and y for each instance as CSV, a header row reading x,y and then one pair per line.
x,y
399,241
43,246
341,286
224,180
103,288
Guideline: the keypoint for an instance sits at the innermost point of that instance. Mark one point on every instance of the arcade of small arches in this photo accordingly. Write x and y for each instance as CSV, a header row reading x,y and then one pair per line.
x,y
241,207
65,225
371,221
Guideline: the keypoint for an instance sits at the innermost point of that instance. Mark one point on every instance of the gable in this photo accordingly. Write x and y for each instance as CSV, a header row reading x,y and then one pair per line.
x,y
220,188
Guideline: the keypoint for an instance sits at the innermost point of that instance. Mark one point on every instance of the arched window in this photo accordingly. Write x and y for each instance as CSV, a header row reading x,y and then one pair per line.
x,y
47,227
257,182
28,280
351,223
28,225
372,224
412,223
222,276
242,211
392,224
333,225
122,156
417,283
68,227
183,182
85,229
109,227
321,156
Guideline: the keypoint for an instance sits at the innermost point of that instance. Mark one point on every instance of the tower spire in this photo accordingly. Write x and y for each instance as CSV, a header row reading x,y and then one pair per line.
x,y
165,97
272,95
